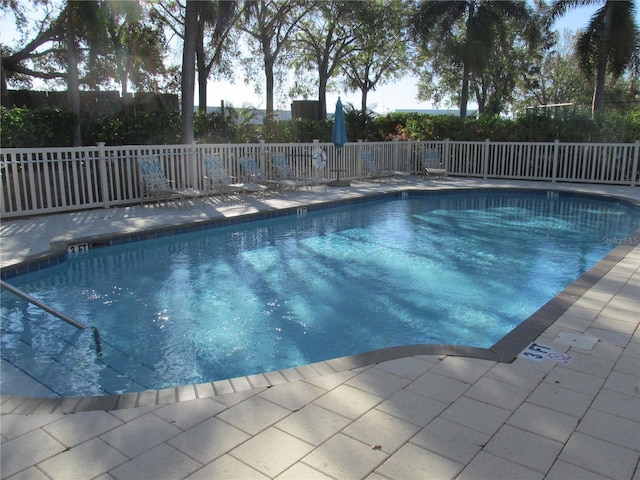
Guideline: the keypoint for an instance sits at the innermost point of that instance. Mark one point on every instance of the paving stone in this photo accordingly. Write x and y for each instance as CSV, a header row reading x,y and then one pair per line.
x,y
560,399
460,368
208,440
599,456
161,462
628,364
412,407
292,396
407,367
617,403
412,462
522,372
543,421
31,473
128,414
488,466
27,450
13,426
254,415
437,387
79,427
272,451
477,415
301,471
578,381
564,471
500,394
524,448
313,424
451,440
611,428
329,382
379,382
623,383
589,364
227,467
343,457
382,430
348,401
140,434
185,415
88,460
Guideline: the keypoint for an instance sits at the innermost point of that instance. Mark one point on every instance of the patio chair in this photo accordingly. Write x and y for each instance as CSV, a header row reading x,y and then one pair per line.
x,y
372,171
155,185
431,164
255,178
217,178
286,177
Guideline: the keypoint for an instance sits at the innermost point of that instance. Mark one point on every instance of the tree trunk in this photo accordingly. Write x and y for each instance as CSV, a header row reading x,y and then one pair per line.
x,y
203,73
188,71
268,73
464,94
363,102
322,97
73,86
598,93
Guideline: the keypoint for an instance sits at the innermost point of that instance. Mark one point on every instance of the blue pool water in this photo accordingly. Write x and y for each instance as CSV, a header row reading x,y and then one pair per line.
x,y
268,295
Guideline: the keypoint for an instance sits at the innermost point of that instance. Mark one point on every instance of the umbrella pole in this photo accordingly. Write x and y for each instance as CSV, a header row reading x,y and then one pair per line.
x,y
338,182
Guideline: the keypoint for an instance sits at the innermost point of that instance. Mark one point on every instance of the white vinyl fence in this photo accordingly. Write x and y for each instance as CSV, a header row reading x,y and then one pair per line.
x,y
47,180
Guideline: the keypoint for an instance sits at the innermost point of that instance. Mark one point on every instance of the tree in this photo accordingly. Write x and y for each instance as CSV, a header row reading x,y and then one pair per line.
x,y
270,23
215,19
601,47
553,79
323,39
463,34
380,52
135,48
189,70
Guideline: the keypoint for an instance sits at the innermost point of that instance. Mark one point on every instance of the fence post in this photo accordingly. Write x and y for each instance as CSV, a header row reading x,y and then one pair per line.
x,y
485,159
192,168
446,154
556,152
104,177
636,160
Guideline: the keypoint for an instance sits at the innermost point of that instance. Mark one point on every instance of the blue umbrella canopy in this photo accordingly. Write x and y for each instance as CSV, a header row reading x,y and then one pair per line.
x,y
339,135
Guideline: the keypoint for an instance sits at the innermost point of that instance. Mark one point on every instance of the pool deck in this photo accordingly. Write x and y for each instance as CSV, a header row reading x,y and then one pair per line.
x,y
401,416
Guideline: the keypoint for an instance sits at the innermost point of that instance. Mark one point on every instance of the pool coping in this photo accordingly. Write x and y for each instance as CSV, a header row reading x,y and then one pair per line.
x,y
504,350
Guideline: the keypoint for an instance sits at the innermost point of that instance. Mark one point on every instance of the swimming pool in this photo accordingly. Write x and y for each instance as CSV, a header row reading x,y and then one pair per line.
x,y
462,268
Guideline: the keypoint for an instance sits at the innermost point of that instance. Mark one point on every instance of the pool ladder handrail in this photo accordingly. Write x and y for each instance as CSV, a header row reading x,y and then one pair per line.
x,y
54,312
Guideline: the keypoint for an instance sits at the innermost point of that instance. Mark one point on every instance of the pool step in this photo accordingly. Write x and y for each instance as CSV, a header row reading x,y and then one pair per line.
x,y
64,361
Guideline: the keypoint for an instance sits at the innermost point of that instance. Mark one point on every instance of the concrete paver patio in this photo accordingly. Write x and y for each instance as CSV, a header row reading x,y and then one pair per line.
x,y
419,416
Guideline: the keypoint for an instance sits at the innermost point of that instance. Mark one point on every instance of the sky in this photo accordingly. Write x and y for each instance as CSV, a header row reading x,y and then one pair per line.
x,y
400,95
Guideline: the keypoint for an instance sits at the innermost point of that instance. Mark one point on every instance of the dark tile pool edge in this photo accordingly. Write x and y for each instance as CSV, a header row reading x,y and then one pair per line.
x,y
505,350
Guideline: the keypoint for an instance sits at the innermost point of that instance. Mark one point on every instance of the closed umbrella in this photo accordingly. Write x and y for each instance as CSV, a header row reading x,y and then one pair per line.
x,y
339,138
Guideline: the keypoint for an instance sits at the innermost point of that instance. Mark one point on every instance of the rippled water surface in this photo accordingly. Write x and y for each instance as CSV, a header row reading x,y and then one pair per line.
x,y
269,295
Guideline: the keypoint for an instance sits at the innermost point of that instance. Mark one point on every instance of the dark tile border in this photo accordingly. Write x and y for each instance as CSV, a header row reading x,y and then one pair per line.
x,y
505,350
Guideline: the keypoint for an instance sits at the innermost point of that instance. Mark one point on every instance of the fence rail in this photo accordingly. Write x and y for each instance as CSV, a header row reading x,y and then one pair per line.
x,y
48,180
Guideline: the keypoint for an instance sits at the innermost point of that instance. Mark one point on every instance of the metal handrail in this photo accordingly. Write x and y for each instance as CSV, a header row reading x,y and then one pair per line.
x,y
54,312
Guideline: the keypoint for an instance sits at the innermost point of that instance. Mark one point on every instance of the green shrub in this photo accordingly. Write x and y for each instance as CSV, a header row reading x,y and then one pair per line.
x,y
52,127
40,127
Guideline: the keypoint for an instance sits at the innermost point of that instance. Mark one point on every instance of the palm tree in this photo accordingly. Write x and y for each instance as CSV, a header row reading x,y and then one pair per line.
x,y
601,46
468,29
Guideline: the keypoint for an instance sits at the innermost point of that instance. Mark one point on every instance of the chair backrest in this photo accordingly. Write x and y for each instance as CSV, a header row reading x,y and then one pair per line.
x,y
251,169
430,158
215,170
151,172
279,161
367,158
